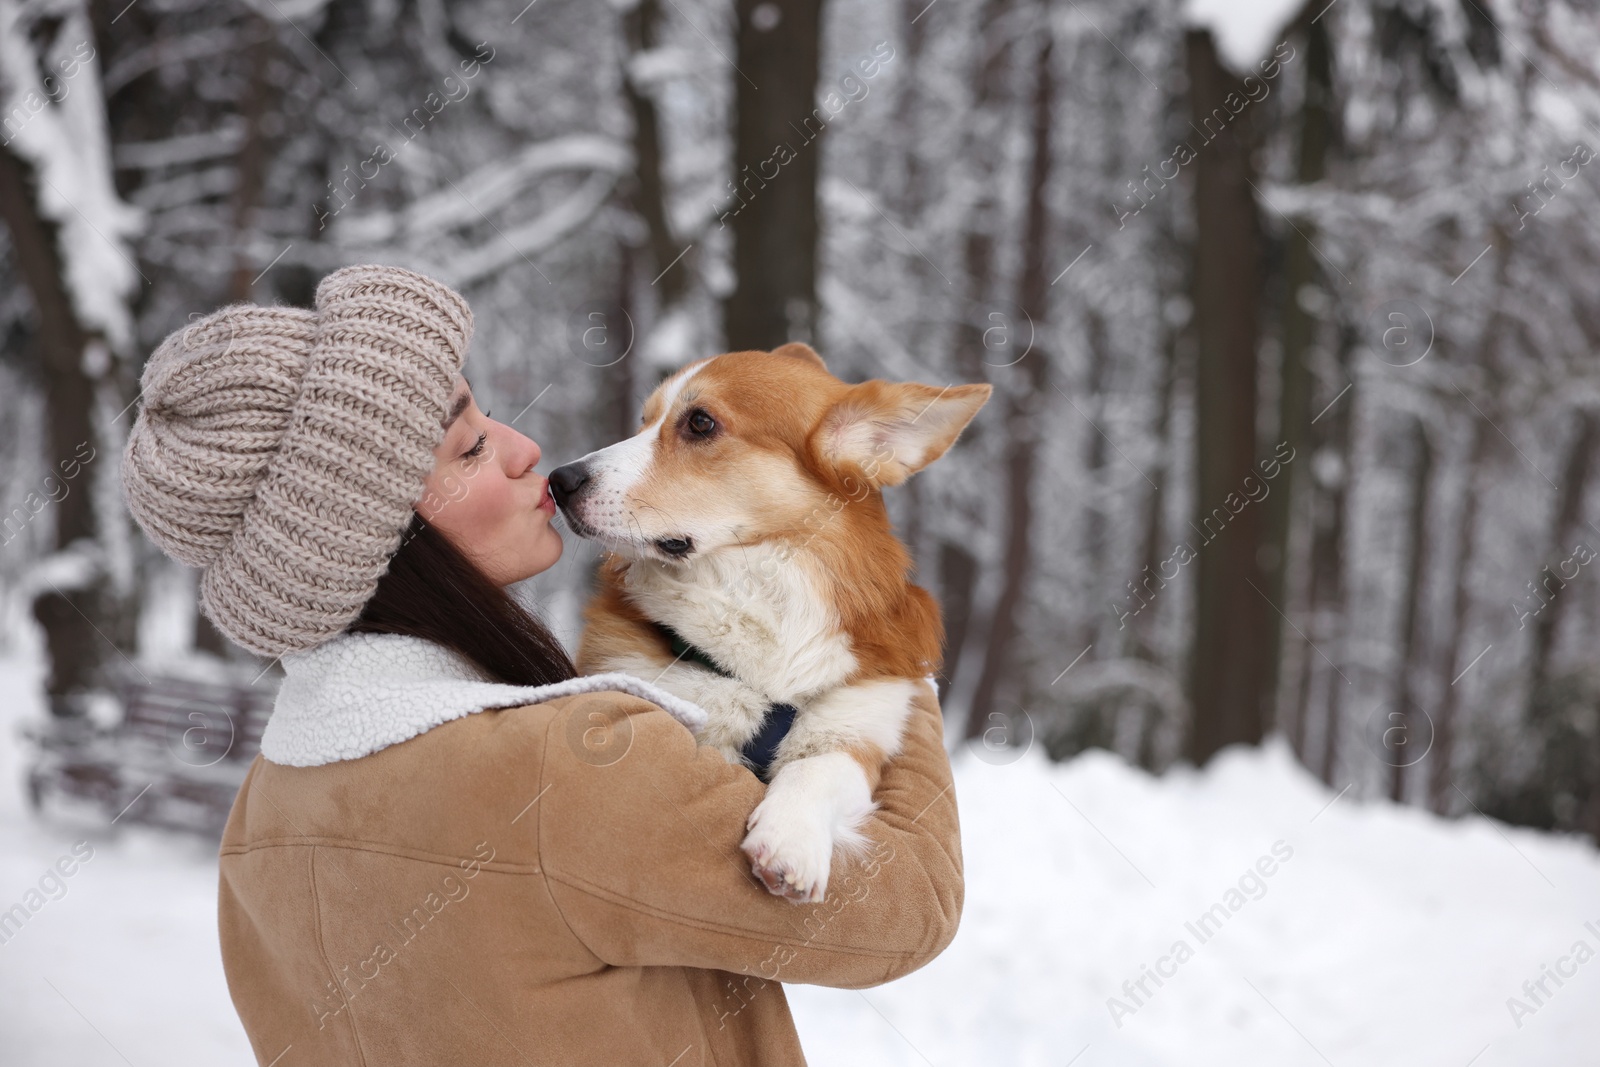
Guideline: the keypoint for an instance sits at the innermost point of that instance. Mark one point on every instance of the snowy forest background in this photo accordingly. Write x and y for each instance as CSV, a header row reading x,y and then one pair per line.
x,y
1274,539
1290,314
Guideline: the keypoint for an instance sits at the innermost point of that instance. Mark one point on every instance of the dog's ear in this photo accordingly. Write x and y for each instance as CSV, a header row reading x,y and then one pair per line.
x,y
800,351
888,431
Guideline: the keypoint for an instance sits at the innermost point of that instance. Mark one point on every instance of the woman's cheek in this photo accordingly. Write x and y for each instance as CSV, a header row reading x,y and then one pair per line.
x,y
475,523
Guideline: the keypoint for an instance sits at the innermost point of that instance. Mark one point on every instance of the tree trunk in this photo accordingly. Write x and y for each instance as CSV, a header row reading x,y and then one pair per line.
x,y
1401,735
251,167
620,419
1441,759
650,192
1022,400
959,571
1139,640
984,144
1227,676
1456,657
1096,548
1330,485
1299,336
75,648
1564,536
958,580
775,230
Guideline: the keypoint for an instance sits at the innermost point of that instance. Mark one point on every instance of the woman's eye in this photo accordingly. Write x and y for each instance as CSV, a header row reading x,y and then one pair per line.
x,y
477,449
701,424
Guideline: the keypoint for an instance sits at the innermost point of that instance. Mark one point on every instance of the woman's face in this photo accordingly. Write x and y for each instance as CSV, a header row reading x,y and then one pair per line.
x,y
483,495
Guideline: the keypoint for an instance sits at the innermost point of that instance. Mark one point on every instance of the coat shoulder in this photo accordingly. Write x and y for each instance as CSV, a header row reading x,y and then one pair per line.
x,y
600,728
439,793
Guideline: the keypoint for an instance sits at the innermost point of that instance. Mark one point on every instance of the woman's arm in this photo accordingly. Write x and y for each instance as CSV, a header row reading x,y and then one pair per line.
x,y
641,855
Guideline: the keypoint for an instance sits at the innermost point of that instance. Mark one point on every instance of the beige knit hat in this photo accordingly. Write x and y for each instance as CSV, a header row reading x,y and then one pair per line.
x,y
282,450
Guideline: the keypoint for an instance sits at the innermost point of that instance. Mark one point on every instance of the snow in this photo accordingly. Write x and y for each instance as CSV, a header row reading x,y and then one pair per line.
x,y
1246,30
124,965
649,70
1382,936
1389,937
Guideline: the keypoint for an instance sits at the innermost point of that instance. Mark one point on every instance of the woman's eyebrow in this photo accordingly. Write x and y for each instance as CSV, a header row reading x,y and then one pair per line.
x,y
456,408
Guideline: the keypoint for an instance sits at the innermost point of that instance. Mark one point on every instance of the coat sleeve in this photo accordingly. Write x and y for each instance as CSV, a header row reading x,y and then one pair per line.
x,y
639,843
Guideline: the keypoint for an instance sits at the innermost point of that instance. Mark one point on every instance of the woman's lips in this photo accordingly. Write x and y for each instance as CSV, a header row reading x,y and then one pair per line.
x,y
547,503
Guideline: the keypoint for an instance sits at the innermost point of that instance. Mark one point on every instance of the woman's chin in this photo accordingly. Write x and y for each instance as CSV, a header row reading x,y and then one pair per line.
x,y
551,546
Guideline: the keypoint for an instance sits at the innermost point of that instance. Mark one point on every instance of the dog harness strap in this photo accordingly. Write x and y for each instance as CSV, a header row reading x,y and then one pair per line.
x,y
760,749
683,650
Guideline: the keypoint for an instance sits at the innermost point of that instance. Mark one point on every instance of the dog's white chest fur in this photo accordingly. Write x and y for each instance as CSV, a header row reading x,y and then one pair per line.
x,y
760,613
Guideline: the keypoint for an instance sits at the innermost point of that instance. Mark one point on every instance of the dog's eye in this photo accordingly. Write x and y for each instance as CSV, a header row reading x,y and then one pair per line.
x,y
700,424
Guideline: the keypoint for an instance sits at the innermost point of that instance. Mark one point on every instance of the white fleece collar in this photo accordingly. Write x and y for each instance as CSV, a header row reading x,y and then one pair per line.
x,y
357,693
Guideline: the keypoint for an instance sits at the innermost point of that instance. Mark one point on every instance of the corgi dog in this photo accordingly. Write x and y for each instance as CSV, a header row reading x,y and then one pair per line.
x,y
752,568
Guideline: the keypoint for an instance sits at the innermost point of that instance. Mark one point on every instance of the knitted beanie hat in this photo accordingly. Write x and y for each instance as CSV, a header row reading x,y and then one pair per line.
x,y
282,450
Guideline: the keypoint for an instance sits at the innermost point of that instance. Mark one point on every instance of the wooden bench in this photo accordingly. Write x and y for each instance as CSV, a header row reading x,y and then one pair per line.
x,y
176,759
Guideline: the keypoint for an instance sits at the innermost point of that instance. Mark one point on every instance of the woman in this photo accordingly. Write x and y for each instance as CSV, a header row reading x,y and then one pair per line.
x,y
451,850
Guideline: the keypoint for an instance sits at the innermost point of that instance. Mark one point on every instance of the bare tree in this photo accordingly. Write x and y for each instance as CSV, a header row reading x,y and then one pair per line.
x,y
67,228
1301,272
1021,403
959,568
1230,625
1401,734
777,129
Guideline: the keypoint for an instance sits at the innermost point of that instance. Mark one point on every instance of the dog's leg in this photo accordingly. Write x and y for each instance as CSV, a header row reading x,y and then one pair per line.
x,y
734,710
620,638
828,767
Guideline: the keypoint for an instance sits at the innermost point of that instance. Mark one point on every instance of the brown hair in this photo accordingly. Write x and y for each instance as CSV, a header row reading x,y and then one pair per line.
x,y
433,591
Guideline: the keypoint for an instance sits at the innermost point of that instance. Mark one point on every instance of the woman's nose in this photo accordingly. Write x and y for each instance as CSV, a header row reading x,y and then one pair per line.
x,y
525,453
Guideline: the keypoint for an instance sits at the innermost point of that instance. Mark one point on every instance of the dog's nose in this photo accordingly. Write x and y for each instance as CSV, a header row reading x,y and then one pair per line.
x,y
566,481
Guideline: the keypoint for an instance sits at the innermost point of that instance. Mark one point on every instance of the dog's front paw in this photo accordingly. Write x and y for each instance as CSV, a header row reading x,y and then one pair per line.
x,y
790,849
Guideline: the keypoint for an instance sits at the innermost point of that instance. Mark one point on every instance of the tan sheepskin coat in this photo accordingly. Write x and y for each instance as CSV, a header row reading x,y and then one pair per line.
x,y
558,884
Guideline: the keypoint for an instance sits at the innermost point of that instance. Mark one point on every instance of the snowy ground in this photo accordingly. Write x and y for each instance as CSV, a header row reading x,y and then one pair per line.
x,y
1382,936
123,967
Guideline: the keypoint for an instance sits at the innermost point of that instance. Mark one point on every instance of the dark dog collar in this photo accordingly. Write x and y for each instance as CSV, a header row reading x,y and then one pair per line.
x,y
760,750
